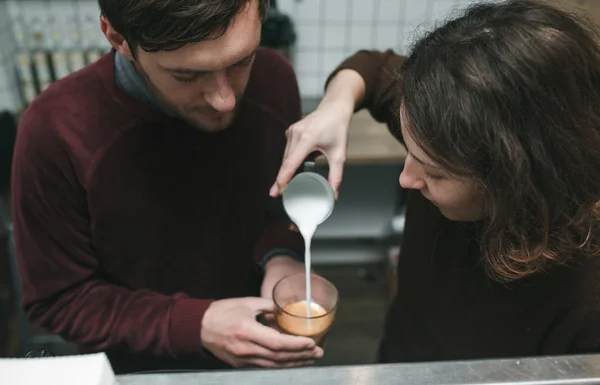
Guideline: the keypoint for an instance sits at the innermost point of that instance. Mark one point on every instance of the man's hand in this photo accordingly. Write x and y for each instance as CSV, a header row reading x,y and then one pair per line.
x,y
232,333
277,268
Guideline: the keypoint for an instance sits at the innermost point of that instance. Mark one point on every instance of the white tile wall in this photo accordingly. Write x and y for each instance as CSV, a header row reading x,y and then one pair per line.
x,y
27,25
390,10
331,30
337,11
328,31
363,10
7,80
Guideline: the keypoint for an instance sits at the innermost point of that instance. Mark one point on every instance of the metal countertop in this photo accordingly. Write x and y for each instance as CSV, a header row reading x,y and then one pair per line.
x,y
527,371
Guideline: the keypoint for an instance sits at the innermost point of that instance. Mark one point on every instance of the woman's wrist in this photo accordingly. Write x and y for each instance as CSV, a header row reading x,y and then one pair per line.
x,y
345,91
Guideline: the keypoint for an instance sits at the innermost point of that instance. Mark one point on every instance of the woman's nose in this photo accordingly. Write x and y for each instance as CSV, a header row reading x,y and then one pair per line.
x,y
410,178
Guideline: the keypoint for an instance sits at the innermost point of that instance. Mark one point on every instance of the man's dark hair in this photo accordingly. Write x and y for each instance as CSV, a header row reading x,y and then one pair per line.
x,y
167,25
508,96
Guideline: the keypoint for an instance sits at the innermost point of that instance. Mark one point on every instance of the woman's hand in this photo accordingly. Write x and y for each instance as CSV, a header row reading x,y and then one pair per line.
x,y
324,130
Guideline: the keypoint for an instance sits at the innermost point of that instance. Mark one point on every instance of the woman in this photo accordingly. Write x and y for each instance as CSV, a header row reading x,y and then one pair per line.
x,y
500,112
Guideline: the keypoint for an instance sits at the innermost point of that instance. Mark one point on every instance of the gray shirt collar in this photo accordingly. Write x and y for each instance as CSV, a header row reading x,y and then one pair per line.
x,y
132,83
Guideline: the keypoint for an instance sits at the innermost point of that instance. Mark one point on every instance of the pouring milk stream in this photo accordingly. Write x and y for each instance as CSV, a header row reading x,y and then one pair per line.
x,y
308,201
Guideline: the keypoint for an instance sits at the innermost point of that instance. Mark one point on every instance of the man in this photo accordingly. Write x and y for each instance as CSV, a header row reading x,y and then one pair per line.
x,y
140,188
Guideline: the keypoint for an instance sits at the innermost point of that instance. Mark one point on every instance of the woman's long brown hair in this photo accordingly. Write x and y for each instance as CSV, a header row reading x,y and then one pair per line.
x,y
508,95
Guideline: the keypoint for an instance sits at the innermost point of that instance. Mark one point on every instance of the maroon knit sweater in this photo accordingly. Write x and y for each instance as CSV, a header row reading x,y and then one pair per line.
x,y
129,223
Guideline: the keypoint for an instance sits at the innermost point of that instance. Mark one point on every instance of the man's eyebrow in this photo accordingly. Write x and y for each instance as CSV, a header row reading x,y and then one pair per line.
x,y
192,71
186,71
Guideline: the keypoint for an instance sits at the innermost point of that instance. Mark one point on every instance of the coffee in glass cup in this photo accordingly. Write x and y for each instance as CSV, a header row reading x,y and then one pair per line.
x,y
295,316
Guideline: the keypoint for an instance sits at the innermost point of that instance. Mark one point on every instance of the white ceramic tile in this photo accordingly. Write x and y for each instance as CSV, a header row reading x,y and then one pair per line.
x,y
416,10
336,10
386,37
308,36
425,27
19,30
363,10
64,32
6,60
443,9
321,82
307,62
13,8
408,38
349,51
5,34
5,80
4,16
308,10
8,100
22,63
36,19
89,21
331,60
287,7
310,86
7,75
391,10
462,4
361,36
6,44
335,36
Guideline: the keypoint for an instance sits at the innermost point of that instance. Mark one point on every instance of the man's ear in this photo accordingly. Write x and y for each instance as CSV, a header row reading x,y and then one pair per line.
x,y
116,40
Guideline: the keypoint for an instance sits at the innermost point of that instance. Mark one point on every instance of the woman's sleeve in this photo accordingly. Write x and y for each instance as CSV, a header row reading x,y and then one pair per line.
x,y
379,69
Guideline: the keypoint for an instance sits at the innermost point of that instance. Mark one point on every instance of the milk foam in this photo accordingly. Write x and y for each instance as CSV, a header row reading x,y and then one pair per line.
x,y
307,212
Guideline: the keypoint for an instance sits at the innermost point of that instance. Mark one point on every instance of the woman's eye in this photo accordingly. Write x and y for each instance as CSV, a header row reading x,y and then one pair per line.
x,y
430,176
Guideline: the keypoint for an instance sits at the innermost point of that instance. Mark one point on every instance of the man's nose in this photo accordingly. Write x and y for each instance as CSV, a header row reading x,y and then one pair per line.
x,y
221,97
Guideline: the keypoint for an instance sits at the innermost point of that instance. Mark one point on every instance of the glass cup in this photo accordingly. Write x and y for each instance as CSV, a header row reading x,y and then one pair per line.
x,y
292,314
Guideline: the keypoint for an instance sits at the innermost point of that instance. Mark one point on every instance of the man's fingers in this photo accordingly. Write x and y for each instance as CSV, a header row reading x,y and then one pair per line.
x,y
271,339
251,350
269,321
295,364
258,363
262,363
259,305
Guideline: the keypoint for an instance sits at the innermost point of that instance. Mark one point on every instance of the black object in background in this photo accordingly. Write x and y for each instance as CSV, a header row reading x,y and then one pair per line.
x,y
278,30
8,133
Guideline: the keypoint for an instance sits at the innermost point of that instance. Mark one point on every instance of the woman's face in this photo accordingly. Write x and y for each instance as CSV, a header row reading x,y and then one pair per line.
x,y
457,198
